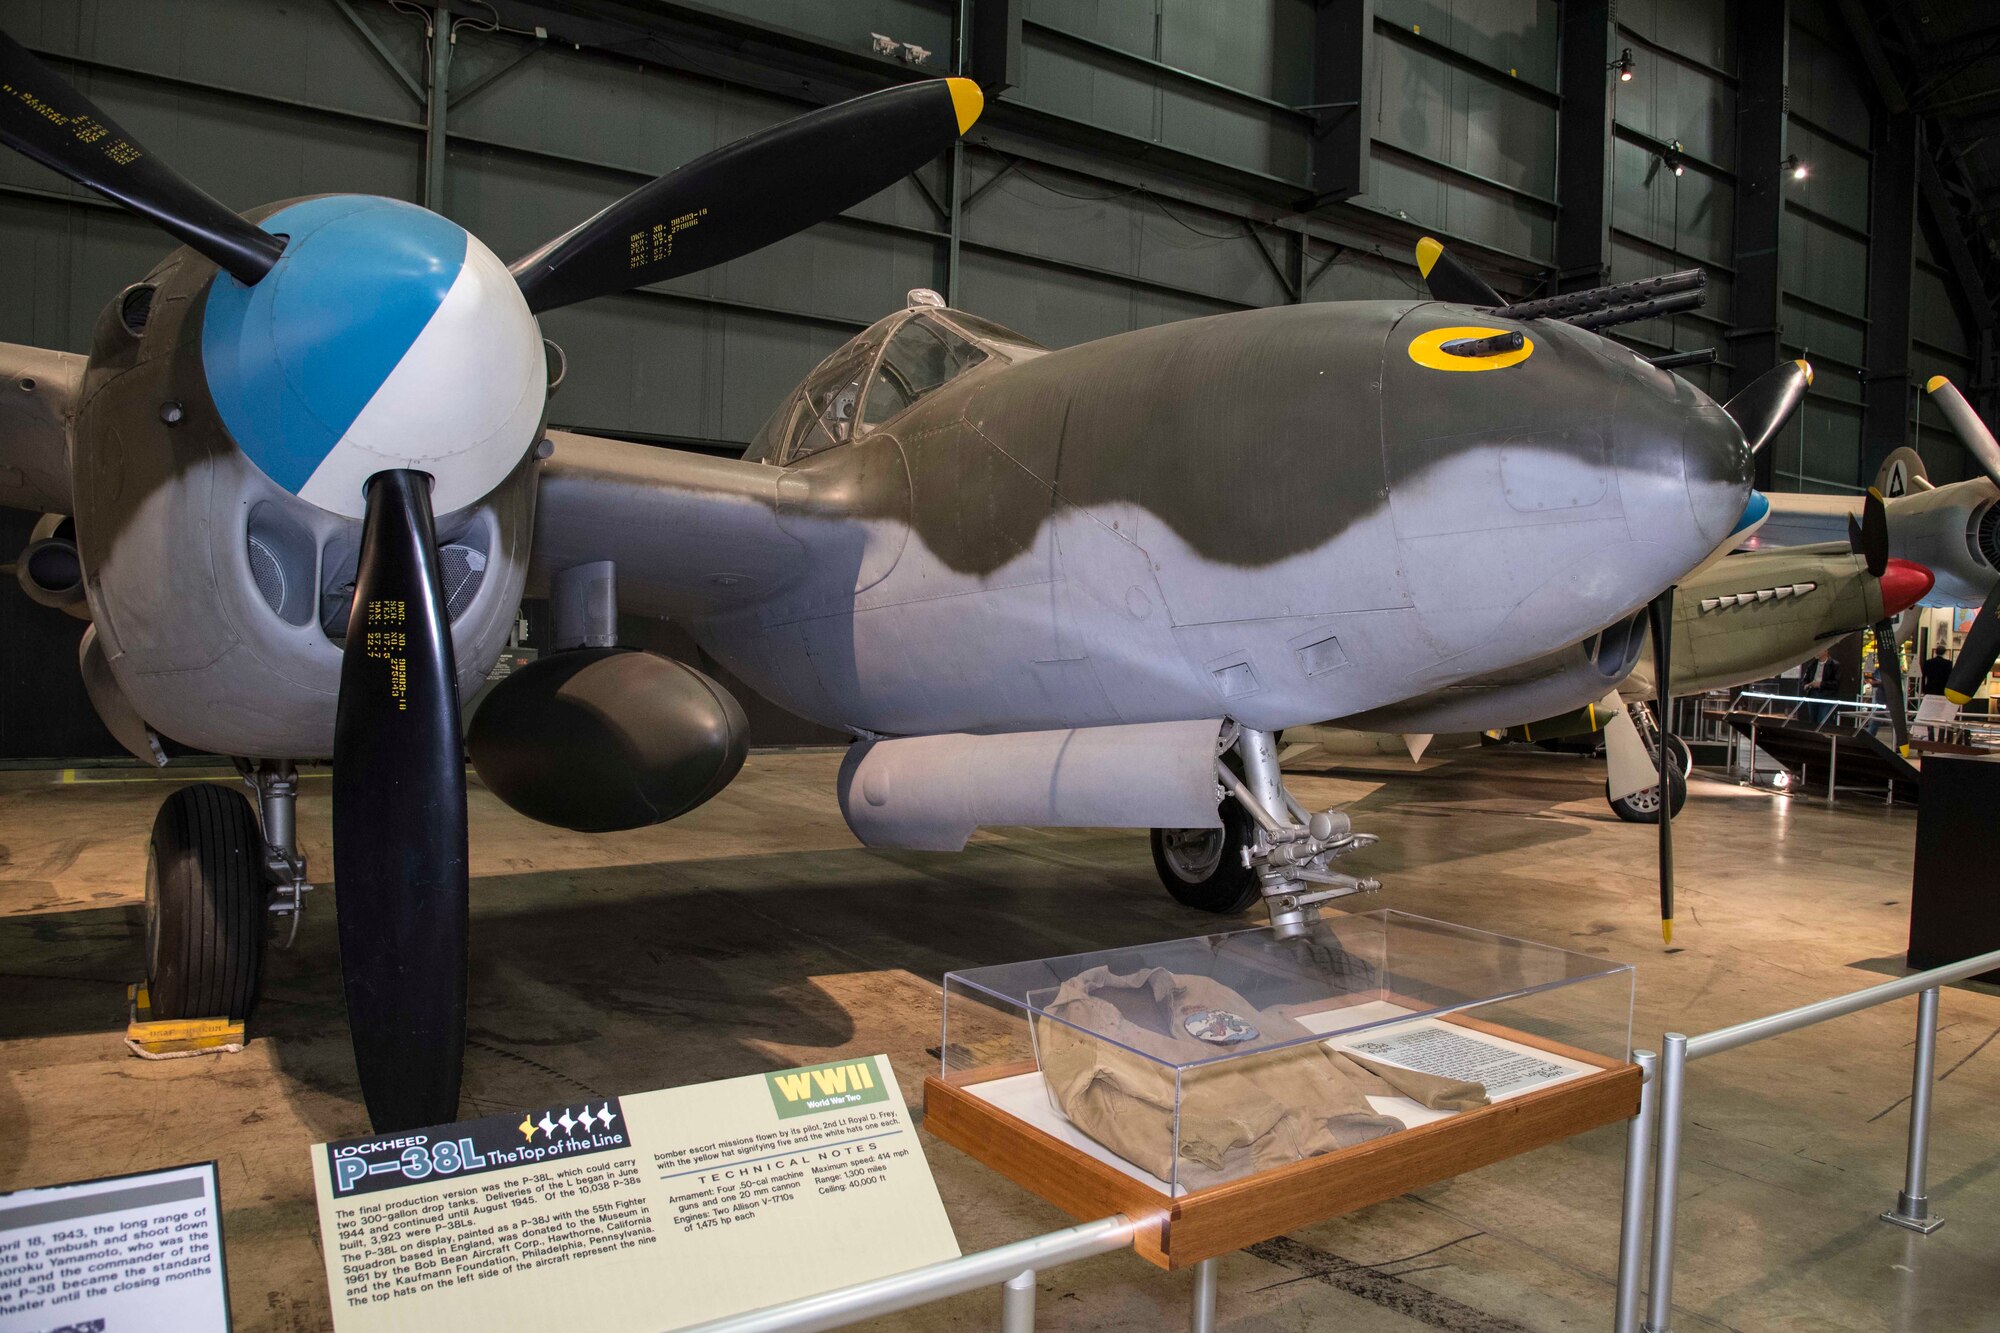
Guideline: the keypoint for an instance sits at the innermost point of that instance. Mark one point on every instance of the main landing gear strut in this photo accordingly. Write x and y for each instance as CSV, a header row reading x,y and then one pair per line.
x,y
217,872
1268,846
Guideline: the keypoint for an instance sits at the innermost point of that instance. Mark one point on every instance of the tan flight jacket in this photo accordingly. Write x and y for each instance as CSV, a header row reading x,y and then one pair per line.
x,y
1237,1117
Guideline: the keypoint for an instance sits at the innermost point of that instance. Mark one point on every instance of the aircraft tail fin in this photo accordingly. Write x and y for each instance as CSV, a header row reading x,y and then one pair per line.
x,y
1902,474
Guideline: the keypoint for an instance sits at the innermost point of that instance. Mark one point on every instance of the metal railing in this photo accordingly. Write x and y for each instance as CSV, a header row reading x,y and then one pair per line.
x,y
1012,1268
1662,1105
1833,718
1667,1103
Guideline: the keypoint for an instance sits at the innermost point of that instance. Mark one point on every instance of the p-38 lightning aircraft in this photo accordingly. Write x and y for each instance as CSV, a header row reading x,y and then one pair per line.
x,y
309,481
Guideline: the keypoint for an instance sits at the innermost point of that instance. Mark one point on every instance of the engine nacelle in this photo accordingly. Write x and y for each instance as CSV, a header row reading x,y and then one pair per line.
x,y
1954,531
931,792
604,739
49,569
220,598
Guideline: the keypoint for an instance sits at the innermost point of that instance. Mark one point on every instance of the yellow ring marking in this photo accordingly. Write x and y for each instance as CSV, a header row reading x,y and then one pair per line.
x,y
1428,350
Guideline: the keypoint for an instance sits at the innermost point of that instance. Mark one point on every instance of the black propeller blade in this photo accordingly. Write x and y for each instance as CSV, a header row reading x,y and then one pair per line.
x,y
399,818
45,118
747,194
1889,661
1450,280
1978,653
1767,402
1660,620
1869,538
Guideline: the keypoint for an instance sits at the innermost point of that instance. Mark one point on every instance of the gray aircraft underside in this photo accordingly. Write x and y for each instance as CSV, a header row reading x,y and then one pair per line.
x,y
1809,595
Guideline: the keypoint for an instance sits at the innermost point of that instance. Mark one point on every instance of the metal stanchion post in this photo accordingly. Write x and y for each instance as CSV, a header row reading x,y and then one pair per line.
x,y
1832,763
1202,1320
1666,1184
1912,1208
1017,1303
1632,1218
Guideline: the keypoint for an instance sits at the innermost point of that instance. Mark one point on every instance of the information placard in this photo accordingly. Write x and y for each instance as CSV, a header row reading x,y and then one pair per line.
x,y
123,1253
643,1213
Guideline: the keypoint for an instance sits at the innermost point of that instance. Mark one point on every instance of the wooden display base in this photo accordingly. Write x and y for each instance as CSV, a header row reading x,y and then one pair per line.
x,y
1178,1231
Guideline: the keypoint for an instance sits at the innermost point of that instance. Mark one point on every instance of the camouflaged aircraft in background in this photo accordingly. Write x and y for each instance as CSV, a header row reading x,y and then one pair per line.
x,y
301,482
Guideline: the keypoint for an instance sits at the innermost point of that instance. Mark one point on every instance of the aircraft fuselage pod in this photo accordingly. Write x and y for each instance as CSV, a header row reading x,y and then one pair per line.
x,y
1277,516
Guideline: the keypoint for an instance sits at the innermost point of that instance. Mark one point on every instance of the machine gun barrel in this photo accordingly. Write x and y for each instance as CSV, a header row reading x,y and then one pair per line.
x,y
1570,305
1638,310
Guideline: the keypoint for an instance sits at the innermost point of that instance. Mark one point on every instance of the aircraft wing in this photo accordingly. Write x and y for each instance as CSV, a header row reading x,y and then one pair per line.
x,y
692,535
39,393
1802,520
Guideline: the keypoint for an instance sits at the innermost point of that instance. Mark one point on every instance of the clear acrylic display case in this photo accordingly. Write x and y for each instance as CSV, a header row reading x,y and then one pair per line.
x,y
1196,1062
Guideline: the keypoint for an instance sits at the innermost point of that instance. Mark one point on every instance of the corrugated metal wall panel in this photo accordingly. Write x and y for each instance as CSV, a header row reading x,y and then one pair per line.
x,y
1510,35
1073,308
851,23
301,52
1696,31
1069,218
1823,255
1260,46
1468,152
1461,104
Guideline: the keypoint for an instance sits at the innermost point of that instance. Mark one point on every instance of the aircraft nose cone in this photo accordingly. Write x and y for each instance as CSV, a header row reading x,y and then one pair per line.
x,y
1716,469
1904,584
1683,467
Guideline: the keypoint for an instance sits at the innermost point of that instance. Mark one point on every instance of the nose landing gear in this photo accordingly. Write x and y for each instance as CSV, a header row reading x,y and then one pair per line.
x,y
1268,845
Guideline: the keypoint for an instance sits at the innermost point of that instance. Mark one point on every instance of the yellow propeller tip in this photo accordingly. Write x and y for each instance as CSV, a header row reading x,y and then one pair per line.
x,y
1667,929
1934,383
1960,699
1877,493
1428,251
967,101
1805,366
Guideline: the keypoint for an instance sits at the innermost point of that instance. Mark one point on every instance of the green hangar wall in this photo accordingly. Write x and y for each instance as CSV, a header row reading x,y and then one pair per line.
x,y
1152,160
1139,161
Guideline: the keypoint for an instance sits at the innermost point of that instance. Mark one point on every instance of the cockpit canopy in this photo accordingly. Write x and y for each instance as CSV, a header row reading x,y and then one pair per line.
x,y
880,372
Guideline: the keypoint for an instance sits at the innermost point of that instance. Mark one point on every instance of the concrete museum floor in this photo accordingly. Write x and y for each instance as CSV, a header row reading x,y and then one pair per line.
x,y
756,934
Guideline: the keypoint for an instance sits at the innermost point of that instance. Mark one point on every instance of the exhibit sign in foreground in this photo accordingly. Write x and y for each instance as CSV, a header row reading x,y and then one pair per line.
x,y
142,1251
646,1212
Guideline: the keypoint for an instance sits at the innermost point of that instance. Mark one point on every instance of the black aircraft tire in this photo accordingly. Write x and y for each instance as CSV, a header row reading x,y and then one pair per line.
x,y
1643,807
1683,760
1203,868
205,905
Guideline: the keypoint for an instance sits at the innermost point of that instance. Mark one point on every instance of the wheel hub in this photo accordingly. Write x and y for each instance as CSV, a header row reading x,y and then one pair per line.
x,y
1192,853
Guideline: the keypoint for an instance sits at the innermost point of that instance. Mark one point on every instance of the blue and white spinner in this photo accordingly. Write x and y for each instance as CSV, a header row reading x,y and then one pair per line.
x,y
384,337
